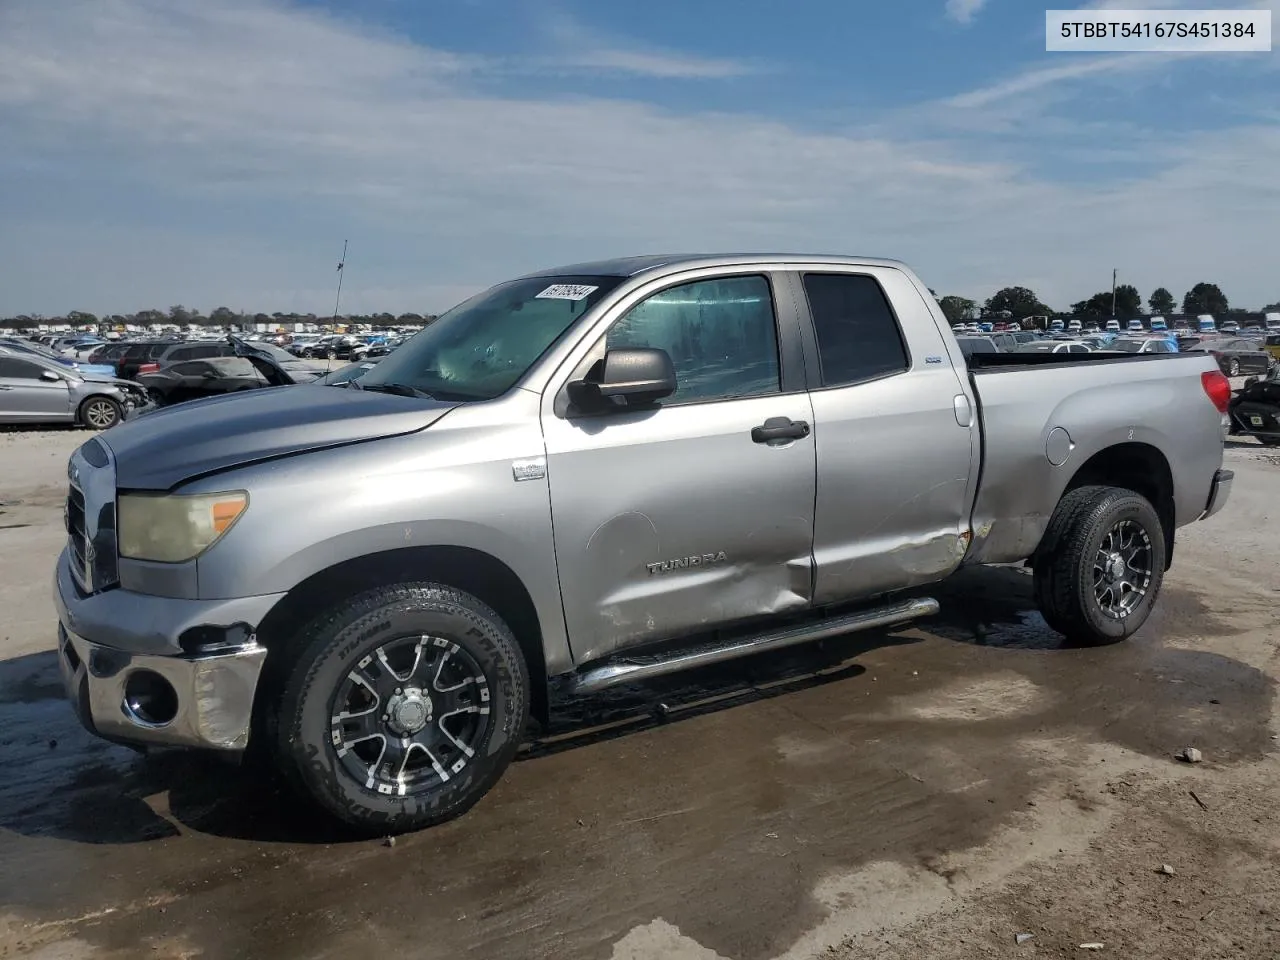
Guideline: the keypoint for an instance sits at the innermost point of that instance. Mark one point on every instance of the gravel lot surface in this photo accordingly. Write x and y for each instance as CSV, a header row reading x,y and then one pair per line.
x,y
928,792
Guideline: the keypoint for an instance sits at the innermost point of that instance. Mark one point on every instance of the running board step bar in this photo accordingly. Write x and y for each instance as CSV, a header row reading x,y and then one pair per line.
x,y
608,675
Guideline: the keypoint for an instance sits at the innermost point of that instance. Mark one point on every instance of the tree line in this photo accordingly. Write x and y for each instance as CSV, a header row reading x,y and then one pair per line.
x,y
1021,302
1017,302
218,317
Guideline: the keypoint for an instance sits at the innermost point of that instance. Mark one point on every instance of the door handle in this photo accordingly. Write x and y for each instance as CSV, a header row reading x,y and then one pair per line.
x,y
777,429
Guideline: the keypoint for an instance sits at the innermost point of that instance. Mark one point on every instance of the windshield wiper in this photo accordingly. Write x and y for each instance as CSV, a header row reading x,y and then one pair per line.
x,y
399,389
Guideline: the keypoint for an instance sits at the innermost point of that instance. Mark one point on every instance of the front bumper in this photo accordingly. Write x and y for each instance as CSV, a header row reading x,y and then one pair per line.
x,y
1219,493
212,696
111,642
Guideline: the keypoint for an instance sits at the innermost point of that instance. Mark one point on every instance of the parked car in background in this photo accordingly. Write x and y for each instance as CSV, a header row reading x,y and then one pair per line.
x,y
28,348
109,354
148,356
1148,345
1135,326
971,345
36,390
1053,346
292,368
300,342
195,379
1158,324
1112,326
1236,356
1230,327
1206,324
1075,326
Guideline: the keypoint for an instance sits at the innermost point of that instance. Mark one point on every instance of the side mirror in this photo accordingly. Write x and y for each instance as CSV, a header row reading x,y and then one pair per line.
x,y
632,377
50,376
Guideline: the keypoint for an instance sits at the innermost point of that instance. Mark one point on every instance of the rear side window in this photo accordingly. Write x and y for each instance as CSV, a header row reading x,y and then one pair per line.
x,y
13,369
858,337
180,354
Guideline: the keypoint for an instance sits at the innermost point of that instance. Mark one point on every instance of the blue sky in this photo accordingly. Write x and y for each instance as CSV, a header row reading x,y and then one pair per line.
x,y
166,151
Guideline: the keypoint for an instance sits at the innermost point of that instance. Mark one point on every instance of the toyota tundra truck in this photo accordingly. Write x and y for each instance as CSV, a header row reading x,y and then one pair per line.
x,y
593,476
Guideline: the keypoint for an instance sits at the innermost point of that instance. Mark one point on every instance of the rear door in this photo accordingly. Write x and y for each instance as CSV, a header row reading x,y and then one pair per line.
x,y
897,437
675,520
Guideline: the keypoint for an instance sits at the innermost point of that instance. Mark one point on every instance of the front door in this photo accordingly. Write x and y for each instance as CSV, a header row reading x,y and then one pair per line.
x,y
26,395
674,520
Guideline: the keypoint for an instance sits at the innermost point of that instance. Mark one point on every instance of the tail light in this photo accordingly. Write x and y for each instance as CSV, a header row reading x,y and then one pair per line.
x,y
1217,388
148,368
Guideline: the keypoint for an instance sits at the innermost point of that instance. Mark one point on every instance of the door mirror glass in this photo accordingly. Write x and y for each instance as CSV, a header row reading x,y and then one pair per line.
x,y
50,376
629,377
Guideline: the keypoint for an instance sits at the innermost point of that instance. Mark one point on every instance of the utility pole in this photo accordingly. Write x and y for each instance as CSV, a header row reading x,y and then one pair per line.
x,y
1113,294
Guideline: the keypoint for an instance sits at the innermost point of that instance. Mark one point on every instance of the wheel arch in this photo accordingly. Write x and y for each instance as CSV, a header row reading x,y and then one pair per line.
x,y
473,571
1140,467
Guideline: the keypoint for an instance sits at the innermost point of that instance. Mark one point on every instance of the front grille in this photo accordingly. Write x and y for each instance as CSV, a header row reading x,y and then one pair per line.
x,y
91,519
77,540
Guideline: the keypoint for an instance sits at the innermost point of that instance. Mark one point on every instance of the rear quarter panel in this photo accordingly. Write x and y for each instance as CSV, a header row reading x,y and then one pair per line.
x,y
1158,401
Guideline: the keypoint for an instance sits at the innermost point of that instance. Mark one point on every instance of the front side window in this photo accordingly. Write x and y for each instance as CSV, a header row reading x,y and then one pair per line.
x,y
721,335
482,347
858,336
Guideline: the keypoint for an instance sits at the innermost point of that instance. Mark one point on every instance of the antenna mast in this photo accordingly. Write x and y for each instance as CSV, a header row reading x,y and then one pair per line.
x,y
337,299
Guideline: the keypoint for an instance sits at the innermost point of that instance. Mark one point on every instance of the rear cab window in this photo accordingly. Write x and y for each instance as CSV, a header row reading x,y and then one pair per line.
x,y
859,338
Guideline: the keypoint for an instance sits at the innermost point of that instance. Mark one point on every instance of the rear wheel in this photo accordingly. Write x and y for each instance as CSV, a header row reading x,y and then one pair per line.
x,y
404,707
1101,564
1233,367
99,413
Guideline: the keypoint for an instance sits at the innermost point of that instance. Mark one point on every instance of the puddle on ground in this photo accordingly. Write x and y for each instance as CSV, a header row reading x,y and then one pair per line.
x,y
775,771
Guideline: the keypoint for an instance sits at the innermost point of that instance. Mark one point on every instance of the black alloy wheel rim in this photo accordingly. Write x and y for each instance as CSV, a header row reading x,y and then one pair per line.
x,y
410,716
1122,569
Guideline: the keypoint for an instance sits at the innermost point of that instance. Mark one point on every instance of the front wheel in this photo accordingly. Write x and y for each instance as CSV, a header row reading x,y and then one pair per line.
x,y
404,707
1100,565
99,413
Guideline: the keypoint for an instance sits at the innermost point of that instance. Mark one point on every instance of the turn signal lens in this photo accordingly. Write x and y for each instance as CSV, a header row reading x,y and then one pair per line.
x,y
225,512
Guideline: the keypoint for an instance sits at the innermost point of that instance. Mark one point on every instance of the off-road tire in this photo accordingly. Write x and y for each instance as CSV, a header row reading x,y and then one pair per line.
x,y
99,413
1063,564
327,651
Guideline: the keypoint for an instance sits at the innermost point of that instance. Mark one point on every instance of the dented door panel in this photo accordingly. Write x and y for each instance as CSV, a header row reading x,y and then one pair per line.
x,y
672,520
898,465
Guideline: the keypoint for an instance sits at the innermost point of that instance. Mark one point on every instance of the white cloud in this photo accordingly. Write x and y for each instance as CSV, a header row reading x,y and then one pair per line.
x,y
273,131
583,48
1041,78
963,11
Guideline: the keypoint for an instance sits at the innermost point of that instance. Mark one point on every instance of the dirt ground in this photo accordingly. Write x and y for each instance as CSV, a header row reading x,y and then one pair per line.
x,y
927,792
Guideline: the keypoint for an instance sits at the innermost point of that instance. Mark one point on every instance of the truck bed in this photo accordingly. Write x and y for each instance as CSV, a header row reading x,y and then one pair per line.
x,y
1035,409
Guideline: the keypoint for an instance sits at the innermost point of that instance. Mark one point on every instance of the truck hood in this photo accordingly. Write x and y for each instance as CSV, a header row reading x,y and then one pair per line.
x,y
160,449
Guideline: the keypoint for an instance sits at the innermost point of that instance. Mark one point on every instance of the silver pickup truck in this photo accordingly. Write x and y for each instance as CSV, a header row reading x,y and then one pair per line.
x,y
592,476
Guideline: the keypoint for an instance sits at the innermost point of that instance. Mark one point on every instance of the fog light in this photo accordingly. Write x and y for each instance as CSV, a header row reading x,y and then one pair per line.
x,y
149,699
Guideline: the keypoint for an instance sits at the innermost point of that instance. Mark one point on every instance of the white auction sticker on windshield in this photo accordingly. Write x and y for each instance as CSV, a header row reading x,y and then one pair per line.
x,y
566,291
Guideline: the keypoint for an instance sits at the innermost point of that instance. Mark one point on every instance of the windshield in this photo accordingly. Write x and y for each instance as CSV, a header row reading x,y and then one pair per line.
x,y
480,348
1127,346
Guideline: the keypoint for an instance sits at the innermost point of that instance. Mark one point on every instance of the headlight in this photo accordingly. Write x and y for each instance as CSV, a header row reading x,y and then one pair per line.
x,y
170,528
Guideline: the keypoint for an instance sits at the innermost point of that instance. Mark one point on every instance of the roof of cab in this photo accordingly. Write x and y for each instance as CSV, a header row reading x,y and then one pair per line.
x,y
669,263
